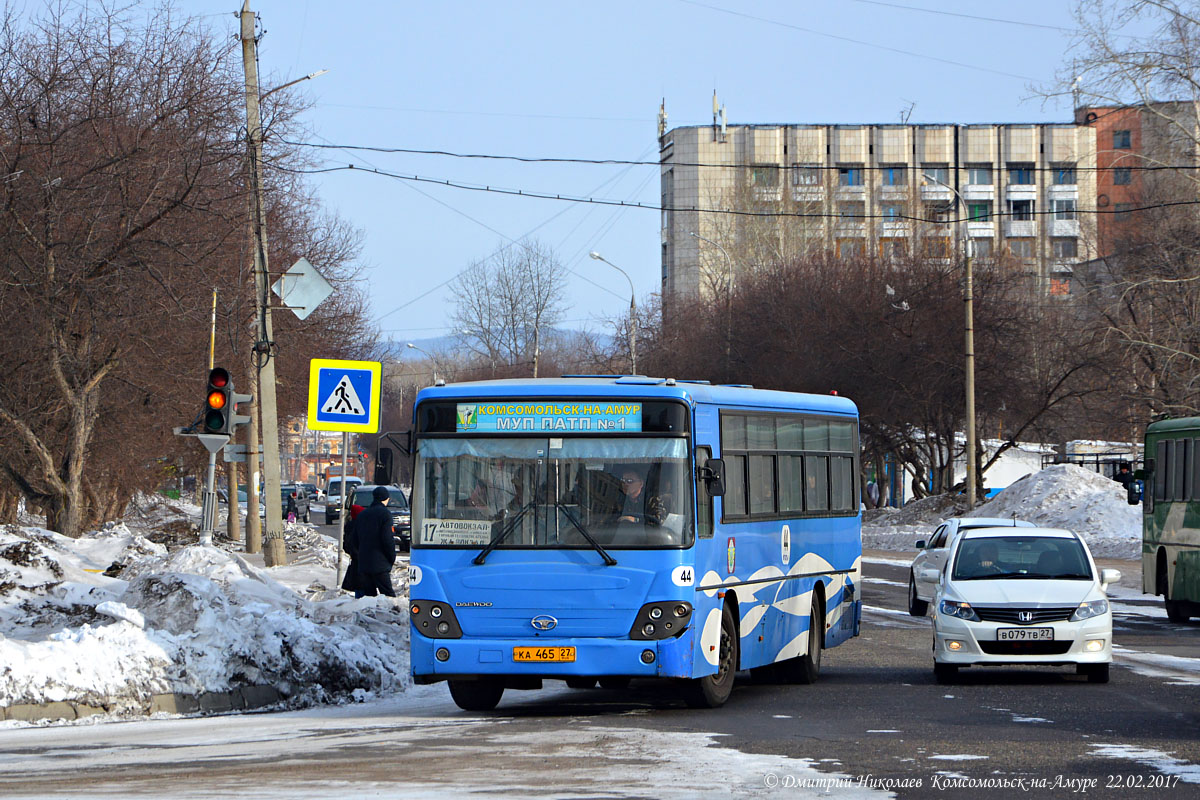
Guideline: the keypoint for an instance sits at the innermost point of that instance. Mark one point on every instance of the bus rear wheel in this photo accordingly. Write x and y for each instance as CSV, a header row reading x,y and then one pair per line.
x,y
1177,610
806,668
476,695
712,691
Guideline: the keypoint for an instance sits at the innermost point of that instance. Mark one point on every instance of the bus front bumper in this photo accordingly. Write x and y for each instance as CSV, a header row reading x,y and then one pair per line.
x,y
474,657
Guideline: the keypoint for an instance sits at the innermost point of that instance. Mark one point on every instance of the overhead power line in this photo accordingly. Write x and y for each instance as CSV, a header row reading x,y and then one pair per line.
x,y
638,163
536,195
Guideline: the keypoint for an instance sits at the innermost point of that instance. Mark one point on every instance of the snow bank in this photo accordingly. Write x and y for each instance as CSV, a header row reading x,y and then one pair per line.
x,y
198,619
1059,496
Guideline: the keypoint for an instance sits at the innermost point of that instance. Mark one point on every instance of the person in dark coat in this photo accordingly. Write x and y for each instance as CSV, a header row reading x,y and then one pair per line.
x,y
292,509
350,582
376,546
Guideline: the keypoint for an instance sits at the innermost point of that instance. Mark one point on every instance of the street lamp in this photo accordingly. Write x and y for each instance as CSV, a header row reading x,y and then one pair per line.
x,y
432,360
728,295
632,312
968,300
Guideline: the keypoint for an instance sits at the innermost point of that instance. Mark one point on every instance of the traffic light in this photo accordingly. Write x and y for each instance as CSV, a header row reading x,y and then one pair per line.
x,y
218,403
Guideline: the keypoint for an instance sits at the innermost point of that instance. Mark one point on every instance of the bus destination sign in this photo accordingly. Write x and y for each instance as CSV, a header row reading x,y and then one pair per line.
x,y
588,416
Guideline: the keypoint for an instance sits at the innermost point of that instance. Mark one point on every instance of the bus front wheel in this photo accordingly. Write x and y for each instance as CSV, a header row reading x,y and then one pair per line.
x,y
712,691
476,695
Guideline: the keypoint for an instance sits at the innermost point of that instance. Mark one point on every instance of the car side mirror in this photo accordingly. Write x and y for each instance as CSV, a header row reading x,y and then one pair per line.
x,y
713,474
931,575
1109,576
920,544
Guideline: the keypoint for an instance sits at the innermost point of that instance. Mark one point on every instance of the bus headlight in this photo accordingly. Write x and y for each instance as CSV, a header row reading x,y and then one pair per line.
x,y
435,620
653,622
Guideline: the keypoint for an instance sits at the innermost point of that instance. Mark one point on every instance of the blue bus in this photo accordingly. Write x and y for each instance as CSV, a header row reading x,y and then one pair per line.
x,y
606,528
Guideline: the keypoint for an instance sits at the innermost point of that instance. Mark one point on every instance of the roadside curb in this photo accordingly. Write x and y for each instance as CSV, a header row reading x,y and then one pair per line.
x,y
242,699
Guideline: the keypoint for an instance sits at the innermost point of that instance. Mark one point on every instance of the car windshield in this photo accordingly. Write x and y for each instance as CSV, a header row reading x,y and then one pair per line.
x,y
625,492
1029,557
335,487
364,498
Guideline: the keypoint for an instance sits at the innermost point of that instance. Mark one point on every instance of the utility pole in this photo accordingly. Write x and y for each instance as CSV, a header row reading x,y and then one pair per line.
x,y
274,552
253,480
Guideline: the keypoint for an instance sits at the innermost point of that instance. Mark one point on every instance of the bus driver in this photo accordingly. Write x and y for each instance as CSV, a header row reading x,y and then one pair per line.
x,y
638,506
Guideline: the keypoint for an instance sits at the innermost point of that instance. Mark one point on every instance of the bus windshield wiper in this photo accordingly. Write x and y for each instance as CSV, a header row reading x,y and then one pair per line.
x,y
609,560
504,532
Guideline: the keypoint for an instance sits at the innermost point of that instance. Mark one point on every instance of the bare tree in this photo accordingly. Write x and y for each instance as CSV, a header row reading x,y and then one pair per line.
x,y
507,304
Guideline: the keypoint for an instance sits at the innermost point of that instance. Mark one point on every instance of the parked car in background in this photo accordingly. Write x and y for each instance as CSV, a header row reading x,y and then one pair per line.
x,y
302,500
932,555
397,504
333,496
315,495
1021,596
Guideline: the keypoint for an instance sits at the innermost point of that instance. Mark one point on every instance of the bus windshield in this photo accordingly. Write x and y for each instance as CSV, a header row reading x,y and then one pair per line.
x,y
625,492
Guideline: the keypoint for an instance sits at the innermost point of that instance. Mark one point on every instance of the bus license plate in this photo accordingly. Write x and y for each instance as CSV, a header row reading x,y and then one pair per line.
x,y
1024,634
543,654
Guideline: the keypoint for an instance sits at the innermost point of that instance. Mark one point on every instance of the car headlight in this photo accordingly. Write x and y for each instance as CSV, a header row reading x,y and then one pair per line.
x,y
960,610
1091,609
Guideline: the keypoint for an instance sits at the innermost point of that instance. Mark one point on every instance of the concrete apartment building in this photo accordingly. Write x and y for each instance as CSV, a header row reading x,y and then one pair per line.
x,y
877,189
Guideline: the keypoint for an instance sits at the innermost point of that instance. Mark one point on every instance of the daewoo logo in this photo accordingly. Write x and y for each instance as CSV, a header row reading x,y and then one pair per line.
x,y
543,622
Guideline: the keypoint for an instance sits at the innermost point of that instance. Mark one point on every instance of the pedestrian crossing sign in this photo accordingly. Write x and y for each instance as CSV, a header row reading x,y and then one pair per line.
x,y
344,395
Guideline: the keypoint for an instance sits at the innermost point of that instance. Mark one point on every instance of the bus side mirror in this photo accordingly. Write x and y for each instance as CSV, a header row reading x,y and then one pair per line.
x,y
1134,493
713,474
383,466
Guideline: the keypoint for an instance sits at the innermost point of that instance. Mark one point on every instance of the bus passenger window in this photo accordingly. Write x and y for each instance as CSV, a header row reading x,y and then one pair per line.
x,y
735,486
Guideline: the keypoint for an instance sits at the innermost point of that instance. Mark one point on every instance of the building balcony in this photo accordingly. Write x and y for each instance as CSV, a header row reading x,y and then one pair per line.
x,y
1020,227
933,191
1063,191
1064,227
768,194
1021,191
890,229
808,194
978,191
889,192
848,228
981,229
851,192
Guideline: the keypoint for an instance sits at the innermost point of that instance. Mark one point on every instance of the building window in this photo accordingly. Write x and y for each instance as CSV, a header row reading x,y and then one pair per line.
x,y
850,175
895,175
853,210
765,175
1122,211
1064,174
1063,209
1021,210
1122,140
1122,176
806,175
1060,286
1064,248
893,249
849,248
1020,174
892,212
979,174
936,174
1021,248
938,213
979,212
981,248
936,246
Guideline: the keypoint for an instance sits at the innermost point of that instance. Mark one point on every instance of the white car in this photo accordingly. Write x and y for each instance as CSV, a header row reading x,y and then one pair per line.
x,y
933,552
1021,596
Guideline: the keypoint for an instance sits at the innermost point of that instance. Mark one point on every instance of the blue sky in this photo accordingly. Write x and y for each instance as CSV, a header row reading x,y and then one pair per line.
x,y
584,80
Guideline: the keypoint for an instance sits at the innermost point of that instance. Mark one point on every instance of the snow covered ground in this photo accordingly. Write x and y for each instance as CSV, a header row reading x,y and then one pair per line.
x,y
1059,496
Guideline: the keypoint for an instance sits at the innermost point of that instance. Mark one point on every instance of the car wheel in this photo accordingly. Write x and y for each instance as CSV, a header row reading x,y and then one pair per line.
x,y
330,519
916,606
945,673
476,695
712,691
1096,673
306,515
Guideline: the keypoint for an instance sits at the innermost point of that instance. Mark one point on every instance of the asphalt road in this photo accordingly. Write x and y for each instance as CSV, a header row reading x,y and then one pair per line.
x,y
875,715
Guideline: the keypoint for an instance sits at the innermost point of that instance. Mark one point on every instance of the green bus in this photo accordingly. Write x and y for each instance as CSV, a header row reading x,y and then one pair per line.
x,y
1171,516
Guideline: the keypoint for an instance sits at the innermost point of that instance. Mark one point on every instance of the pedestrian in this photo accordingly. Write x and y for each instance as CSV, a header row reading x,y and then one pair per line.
x,y
292,508
351,582
376,545
1124,476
